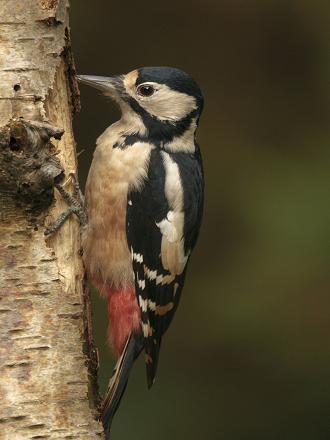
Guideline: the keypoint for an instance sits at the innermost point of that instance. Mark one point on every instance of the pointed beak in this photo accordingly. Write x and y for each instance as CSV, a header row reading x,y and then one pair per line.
x,y
112,86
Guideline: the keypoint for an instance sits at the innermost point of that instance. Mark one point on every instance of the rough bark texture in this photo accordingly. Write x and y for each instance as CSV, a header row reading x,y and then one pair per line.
x,y
47,359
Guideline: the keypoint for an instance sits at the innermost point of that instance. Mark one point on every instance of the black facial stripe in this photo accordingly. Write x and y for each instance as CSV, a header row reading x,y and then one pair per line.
x,y
129,140
162,131
159,133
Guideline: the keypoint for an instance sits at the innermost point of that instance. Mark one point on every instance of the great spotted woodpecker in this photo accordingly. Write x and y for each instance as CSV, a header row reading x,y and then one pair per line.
x,y
144,201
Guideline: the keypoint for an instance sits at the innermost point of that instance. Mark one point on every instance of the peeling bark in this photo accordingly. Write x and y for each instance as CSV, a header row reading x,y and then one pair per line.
x,y
47,359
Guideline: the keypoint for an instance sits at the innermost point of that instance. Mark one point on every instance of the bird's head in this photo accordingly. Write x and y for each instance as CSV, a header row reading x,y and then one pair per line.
x,y
167,100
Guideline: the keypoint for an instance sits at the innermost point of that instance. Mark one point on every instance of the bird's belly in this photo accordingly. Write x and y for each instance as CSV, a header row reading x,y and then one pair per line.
x,y
106,254
113,172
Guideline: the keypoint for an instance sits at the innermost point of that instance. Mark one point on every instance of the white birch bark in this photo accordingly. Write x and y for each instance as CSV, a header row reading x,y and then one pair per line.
x,y
46,388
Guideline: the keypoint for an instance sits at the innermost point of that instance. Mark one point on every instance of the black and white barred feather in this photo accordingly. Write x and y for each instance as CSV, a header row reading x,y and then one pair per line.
x,y
158,290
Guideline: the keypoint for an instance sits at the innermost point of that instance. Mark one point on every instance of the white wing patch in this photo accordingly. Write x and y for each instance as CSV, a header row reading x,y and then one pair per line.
x,y
173,257
171,227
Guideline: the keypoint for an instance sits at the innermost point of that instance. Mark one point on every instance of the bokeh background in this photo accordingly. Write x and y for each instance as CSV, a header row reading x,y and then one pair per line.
x,y
248,354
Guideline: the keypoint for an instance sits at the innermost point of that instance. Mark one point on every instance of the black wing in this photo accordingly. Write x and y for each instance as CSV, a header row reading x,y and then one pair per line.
x,y
158,291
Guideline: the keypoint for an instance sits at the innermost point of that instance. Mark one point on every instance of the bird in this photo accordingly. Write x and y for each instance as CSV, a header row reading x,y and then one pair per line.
x,y
144,201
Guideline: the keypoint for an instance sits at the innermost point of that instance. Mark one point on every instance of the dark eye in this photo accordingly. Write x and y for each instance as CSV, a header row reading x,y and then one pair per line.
x,y
145,90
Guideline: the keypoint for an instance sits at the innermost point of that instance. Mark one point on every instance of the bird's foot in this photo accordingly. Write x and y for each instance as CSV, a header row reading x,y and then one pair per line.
x,y
76,205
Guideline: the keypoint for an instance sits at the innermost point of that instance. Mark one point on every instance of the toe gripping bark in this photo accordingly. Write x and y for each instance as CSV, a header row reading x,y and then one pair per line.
x,y
76,205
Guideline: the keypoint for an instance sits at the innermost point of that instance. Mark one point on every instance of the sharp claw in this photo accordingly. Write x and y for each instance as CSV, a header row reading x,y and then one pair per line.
x,y
73,178
75,203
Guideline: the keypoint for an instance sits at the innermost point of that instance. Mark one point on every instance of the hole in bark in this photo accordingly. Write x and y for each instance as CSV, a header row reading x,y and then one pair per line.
x,y
17,87
13,144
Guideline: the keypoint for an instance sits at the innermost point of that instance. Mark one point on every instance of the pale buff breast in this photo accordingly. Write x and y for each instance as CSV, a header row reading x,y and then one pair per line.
x,y
113,171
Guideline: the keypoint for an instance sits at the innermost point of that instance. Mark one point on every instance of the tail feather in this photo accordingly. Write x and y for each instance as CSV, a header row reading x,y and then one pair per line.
x,y
152,354
119,379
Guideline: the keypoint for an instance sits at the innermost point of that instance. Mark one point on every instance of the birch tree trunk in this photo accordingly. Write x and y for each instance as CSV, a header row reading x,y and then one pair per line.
x,y
47,360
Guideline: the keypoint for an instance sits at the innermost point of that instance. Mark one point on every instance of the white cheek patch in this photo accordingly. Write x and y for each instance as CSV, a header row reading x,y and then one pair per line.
x,y
168,104
165,104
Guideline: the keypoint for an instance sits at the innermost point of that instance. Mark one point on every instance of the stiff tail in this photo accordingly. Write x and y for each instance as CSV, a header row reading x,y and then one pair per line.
x,y
152,354
119,378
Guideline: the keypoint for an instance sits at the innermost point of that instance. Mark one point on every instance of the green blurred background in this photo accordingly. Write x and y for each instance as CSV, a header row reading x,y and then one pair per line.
x,y
247,356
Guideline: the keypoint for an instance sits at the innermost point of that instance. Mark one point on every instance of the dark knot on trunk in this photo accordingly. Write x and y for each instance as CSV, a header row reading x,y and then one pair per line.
x,y
29,167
